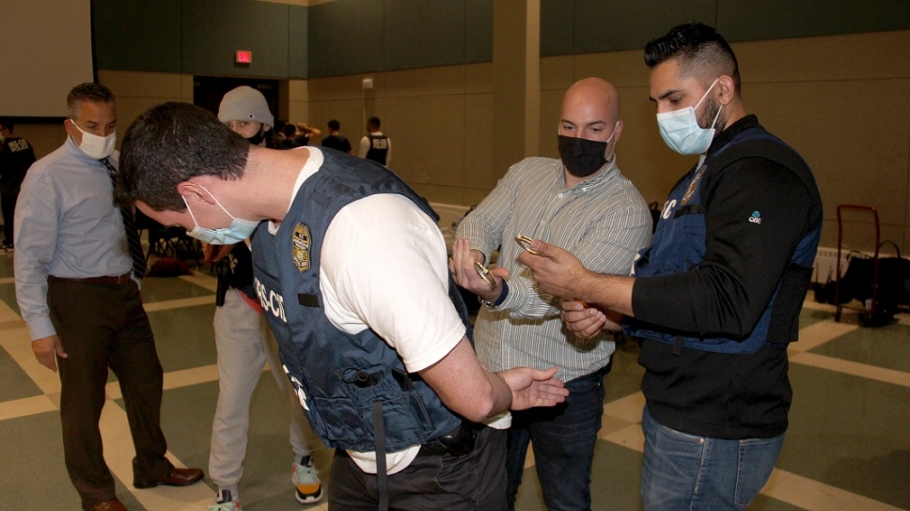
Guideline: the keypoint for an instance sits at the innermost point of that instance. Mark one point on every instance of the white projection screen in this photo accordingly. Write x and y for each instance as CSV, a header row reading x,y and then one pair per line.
x,y
47,50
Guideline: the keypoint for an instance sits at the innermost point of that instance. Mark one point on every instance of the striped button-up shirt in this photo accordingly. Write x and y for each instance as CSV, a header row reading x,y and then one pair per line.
x,y
603,220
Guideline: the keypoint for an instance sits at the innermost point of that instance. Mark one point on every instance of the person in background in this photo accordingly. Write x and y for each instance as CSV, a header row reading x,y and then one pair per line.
x,y
279,131
250,124
16,156
715,300
335,140
375,146
583,203
305,133
244,343
350,267
288,137
77,284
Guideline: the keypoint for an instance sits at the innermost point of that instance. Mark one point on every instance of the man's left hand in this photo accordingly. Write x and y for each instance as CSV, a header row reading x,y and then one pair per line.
x,y
534,387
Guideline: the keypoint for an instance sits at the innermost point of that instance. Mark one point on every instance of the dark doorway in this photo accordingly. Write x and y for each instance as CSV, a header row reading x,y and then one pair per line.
x,y
208,91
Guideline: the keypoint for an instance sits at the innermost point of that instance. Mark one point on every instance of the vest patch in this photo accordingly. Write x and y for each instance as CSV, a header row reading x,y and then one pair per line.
x,y
300,250
755,218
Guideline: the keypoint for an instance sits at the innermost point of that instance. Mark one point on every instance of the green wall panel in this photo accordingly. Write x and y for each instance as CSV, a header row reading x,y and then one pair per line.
x,y
418,33
345,37
363,36
478,30
136,35
616,25
780,19
214,31
557,27
297,42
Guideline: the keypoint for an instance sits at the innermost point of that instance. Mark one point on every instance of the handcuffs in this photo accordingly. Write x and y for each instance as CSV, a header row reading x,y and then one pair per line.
x,y
485,274
525,243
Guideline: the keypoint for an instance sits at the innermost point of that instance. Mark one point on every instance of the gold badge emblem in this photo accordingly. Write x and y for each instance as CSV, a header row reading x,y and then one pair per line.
x,y
693,185
300,247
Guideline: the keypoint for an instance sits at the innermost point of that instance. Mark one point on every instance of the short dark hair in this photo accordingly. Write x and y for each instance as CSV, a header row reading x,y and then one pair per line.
x,y
334,125
90,92
373,121
172,143
701,52
7,123
289,130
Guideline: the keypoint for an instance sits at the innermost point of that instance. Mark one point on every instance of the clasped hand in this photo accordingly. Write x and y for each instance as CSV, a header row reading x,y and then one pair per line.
x,y
461,265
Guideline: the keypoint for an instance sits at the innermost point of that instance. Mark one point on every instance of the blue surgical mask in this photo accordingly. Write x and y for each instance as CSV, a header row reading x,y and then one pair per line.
x,y
239,230
680,129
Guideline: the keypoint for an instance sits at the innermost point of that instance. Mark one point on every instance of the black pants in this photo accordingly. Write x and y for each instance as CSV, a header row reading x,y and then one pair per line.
x,y
104,326
8,207
473,482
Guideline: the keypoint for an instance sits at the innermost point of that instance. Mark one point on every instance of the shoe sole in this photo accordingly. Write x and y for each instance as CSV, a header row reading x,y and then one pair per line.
x,y
139,485
308,499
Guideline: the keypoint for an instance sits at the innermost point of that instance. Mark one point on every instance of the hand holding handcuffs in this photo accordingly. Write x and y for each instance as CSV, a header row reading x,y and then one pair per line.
x,y
523,241
485,274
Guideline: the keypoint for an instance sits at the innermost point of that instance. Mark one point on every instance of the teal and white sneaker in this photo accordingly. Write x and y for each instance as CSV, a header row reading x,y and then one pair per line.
x,y
225,502
306,480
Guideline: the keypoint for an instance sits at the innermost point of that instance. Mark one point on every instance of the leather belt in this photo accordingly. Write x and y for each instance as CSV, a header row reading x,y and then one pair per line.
x,y
107,280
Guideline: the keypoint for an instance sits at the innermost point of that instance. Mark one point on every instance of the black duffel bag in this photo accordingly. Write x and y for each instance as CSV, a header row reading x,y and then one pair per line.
x,y
893,280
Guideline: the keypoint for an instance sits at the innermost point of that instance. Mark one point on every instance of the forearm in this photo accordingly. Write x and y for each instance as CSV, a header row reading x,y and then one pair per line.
x,y
612,292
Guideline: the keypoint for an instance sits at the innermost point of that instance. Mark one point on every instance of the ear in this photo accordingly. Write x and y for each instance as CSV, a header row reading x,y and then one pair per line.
x,y
70,127
193,192
618,131
726,88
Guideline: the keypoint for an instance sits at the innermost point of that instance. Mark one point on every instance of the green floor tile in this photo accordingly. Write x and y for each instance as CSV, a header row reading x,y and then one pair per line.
x,y
34,475
8,296
160,289
811,316
625,375
186,418
887,346
850,433
16,384
184,337
6,265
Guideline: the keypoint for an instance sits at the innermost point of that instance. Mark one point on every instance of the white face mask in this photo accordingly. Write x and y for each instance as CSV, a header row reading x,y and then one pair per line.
x,y
94,146
681,131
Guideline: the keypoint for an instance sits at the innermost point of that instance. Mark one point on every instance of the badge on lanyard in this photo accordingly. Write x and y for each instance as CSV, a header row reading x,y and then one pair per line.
x,y
300,247
693,185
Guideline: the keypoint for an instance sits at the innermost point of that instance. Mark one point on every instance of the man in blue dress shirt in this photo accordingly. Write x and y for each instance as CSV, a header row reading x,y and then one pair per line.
x,y
79,295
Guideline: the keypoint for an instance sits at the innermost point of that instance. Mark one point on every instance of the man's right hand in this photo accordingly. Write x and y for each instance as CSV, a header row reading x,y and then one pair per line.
x,y
586,321
47,349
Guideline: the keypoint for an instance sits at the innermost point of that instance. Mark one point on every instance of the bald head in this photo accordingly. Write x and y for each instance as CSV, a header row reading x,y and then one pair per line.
x,y
590,112
595,96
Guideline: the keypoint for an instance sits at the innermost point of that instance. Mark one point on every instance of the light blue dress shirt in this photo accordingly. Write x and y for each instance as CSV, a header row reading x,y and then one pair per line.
x,y
66,225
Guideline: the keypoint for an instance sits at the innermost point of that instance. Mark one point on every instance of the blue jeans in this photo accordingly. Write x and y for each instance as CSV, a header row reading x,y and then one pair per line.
x,y
693,473
563,440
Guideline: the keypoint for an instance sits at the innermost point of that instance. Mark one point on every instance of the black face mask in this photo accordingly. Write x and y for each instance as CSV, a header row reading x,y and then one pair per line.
x,y
256,139
582,157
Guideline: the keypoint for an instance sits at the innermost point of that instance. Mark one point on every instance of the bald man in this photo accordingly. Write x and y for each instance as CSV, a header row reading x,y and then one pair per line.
x,y
582,203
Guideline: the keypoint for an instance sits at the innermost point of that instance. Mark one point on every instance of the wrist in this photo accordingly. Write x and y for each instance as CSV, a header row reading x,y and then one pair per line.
x,y
503,293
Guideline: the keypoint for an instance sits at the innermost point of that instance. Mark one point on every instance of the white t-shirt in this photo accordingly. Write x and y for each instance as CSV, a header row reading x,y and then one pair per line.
x,y
384,266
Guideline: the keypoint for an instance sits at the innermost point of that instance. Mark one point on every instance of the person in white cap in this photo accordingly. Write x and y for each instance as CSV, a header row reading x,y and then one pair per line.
x,y
245,111
244,343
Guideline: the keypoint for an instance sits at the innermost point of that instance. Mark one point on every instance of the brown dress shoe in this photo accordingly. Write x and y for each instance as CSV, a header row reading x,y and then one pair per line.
x,y
177,477
108,505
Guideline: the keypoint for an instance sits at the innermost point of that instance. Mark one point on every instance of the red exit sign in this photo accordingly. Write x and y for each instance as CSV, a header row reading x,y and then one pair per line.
x,y
244,57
